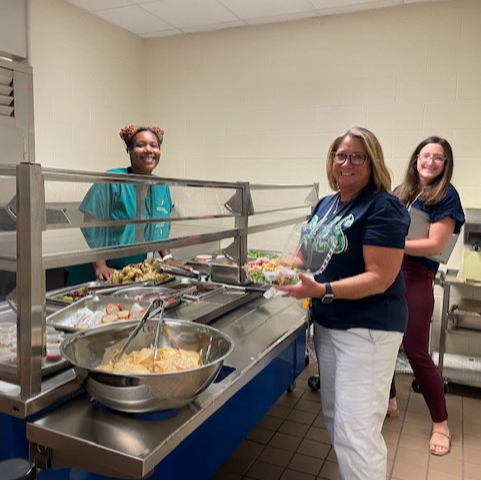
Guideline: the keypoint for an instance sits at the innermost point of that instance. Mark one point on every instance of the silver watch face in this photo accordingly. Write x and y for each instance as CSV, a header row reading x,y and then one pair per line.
x,y
328,298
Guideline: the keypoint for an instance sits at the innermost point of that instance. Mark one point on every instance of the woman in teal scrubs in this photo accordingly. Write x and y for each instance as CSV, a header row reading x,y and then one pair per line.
x,y
117,202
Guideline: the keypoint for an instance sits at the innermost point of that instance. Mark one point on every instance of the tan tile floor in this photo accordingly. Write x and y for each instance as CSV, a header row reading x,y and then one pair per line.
x,y
290,442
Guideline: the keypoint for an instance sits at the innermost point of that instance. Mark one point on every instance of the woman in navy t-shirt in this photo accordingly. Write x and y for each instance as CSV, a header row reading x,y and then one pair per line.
x,y
358,302
426,186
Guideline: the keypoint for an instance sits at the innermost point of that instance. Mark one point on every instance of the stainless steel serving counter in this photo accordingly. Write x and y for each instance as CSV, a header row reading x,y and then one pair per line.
x,y
84,435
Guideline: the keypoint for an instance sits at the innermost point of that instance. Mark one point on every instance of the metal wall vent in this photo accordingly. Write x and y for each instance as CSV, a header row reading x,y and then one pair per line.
x,y
7,108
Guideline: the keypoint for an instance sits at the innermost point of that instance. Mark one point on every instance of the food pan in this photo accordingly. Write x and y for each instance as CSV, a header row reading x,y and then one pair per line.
x,y
147,294
59,296
202,290
64,318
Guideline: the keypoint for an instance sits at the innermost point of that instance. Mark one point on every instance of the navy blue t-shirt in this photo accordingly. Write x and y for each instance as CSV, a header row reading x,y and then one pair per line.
x,y
370,219
450,206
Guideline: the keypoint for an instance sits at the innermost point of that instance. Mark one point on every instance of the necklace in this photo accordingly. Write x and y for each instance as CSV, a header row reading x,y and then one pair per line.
x,y
409,205
337,206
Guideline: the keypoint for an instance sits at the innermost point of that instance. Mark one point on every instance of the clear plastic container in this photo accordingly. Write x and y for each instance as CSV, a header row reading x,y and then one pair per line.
x,y
54,339
53,352
310,247
308,250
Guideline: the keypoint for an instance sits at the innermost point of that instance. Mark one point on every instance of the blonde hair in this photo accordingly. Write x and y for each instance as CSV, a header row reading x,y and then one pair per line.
x,y
380,173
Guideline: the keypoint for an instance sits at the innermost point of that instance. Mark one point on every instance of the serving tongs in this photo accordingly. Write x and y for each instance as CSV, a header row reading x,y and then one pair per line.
x,y
179,271
156,306
159,330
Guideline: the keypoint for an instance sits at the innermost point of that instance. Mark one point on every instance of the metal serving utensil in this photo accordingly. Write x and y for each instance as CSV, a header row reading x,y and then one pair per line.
x,y
179,271
159,330
150,311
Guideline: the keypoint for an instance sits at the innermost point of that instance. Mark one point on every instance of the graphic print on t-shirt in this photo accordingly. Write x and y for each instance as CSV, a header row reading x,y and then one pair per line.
x,y
320,236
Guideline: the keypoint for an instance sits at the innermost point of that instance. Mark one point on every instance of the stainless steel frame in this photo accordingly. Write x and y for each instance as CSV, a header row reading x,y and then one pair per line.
x,y
26,392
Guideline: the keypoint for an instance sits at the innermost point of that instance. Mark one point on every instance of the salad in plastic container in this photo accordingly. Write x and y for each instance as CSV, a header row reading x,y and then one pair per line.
x,y
308,250
270,271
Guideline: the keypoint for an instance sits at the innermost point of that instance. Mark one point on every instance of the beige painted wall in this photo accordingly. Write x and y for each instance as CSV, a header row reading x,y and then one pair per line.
x,y
262,103
88,83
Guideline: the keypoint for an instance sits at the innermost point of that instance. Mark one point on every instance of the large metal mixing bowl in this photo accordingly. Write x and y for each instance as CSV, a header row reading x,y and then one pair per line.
x,y
137,393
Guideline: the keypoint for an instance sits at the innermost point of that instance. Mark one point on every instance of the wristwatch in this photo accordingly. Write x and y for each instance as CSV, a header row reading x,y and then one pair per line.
x,y
329,295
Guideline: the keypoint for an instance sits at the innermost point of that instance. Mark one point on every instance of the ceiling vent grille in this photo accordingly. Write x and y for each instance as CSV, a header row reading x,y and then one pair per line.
x,y
7,108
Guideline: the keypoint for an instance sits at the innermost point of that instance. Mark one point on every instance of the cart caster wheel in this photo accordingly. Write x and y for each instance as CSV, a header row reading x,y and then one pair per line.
x,y
415,386
17,468
314,383
291,387
446,388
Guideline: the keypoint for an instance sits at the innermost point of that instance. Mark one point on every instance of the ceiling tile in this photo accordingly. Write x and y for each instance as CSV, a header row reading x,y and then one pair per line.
x,y
190,13
95,5
134,18
247,9
217,26
407,2
355,5
161,33
281,18
160,18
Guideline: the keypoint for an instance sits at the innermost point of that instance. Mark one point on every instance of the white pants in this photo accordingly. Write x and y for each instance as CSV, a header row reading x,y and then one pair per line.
x,y
356,368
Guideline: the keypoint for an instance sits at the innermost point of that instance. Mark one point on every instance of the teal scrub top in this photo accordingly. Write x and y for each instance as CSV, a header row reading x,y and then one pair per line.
x,y
118,202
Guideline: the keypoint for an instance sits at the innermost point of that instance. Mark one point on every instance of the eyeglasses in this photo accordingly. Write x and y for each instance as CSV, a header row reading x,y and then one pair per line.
x,y
439,159
355,159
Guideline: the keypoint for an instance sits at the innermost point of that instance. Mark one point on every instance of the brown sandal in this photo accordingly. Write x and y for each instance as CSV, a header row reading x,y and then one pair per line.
x,y
448,447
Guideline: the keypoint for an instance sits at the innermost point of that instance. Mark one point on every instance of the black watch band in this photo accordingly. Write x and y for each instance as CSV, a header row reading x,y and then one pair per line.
x,y
329,295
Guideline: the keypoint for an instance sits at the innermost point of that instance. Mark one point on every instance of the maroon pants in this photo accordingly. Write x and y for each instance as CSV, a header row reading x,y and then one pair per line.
x,y
420,301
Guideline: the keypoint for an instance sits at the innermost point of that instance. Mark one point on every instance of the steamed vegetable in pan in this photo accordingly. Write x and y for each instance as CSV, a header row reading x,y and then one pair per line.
x,y
147,270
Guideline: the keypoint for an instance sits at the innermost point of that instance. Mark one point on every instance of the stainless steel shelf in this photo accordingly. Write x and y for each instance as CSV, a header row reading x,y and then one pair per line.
x,y
449,373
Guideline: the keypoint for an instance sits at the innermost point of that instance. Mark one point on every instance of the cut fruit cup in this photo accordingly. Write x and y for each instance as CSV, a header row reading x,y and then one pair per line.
x,y
54,339
53,352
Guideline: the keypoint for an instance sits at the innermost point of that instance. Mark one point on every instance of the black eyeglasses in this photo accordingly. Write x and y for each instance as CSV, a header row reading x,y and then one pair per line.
x,y
355,159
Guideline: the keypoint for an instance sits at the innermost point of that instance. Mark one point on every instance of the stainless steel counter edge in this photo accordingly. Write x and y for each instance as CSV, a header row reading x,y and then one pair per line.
x,y
261,330
54,388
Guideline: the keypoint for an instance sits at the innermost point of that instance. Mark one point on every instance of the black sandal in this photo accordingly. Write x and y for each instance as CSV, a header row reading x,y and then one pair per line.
x,y
314,382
